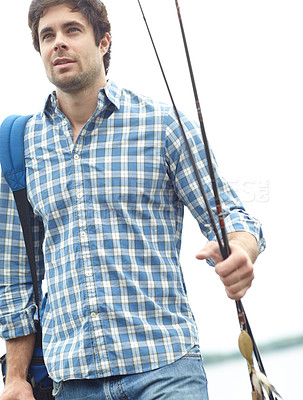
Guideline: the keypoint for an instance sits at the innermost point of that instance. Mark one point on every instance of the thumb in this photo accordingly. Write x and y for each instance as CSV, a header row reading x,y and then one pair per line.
x,y
202,255
212,251
207,251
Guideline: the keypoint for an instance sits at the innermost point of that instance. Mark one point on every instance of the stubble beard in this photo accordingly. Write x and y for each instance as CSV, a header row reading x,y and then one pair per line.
x,y
78,82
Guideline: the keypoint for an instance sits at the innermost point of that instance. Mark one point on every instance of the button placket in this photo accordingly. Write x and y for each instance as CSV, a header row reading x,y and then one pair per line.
x,y
88,271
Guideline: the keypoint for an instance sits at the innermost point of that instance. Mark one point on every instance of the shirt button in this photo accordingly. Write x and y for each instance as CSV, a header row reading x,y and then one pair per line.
x,y
89,273
93,315
79,195
83,234
76,157
64,122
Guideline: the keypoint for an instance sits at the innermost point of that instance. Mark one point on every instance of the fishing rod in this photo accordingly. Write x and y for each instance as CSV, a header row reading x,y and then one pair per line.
x,y
247,343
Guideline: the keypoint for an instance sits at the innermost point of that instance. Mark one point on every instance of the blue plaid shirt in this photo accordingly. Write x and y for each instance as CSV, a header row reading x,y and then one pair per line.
x,y
107,220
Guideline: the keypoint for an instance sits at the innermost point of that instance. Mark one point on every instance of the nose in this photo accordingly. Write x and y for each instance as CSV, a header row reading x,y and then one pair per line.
x,y
60,44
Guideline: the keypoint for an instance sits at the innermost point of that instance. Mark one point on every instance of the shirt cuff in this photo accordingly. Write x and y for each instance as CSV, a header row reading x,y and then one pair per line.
x,y
236,222
18,324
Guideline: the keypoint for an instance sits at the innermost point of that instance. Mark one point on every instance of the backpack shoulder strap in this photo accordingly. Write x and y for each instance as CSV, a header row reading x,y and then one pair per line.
x,y
12,150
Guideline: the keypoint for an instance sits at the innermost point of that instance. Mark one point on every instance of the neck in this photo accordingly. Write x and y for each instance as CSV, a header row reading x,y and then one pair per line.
x,y
79,107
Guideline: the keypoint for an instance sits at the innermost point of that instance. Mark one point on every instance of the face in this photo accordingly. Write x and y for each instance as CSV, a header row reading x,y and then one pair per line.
x,y
68,49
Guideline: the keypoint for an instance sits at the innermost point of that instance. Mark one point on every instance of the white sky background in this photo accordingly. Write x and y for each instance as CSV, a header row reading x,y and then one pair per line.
x,y
247,58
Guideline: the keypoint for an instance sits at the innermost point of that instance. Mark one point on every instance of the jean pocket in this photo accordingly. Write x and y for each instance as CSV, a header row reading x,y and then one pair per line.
x,y
194,352
57,389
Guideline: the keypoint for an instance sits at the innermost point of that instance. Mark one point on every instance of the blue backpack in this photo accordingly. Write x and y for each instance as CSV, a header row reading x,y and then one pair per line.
x,y
12,151
13,170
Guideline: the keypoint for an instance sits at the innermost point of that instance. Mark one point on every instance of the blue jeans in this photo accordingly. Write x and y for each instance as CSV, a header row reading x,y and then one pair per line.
x,y
184,379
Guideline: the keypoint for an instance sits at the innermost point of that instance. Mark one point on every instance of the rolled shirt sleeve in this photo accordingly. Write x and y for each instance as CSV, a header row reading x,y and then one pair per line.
x,y
17,306
187,189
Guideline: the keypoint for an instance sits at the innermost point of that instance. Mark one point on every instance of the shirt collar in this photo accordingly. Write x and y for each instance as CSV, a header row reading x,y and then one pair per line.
x,y
111,91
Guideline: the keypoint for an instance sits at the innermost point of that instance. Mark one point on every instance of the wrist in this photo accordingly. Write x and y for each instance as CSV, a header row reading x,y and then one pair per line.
x,y
11,379
14,375
17,389
247,242
19,353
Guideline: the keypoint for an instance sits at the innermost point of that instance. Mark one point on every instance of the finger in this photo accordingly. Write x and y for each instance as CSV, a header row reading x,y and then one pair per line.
x,y
232,276
211,250
206,251
238,290
238,282
237,261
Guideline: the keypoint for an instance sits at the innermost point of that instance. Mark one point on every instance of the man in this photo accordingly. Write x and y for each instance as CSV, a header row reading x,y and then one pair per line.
x,y
107,178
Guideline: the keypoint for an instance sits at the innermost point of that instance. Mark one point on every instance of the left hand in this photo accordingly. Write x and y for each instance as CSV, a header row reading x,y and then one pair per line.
x,y
236,272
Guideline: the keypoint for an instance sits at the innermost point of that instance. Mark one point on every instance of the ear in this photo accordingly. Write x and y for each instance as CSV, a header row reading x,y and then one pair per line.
x,y
105,43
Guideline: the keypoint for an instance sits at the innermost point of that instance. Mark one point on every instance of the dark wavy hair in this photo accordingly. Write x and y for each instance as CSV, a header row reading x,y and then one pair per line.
x,y
94,11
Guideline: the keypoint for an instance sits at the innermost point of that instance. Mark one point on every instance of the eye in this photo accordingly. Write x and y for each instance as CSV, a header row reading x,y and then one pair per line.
x,y
47,36
73,30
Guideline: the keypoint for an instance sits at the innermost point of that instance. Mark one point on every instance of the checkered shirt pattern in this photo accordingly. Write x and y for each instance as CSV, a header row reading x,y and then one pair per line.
x,y
107,220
